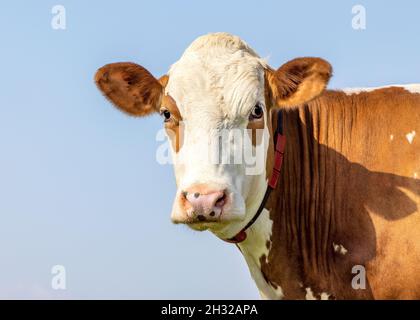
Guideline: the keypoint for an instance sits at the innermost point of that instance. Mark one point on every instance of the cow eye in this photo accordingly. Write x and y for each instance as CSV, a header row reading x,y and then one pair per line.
x,y
166,115
257,112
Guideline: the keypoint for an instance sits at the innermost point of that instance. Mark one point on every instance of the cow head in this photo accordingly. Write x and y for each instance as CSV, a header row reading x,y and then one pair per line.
x,y
216,103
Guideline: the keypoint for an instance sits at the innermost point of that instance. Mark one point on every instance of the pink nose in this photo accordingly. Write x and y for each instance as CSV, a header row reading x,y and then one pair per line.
x,y
204,206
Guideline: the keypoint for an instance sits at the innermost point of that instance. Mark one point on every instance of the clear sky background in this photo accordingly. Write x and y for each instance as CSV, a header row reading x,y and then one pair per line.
x,y
79,183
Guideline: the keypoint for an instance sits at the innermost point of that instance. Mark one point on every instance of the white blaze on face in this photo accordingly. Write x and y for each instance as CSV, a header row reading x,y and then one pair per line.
x,y
215,84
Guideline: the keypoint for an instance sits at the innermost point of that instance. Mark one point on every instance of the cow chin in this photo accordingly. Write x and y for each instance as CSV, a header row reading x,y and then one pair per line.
x,y
219,226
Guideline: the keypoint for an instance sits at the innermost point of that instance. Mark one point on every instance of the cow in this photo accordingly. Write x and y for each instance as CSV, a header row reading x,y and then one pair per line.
x,y
342,220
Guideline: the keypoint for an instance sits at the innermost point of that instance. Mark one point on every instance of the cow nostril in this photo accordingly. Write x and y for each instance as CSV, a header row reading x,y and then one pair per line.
x,y
221,201
196,195
200,217
185,194
212,214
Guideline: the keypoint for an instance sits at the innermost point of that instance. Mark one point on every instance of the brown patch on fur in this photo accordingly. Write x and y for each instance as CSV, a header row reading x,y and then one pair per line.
x,y
255,128
169,104
130,87
271,115
173,127
344,181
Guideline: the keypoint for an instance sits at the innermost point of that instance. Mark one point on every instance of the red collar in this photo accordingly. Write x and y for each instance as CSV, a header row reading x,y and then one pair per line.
x,y
280,144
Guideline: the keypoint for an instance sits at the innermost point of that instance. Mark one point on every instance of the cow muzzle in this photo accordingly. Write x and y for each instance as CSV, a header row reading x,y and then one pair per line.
x,y
201,205
204,206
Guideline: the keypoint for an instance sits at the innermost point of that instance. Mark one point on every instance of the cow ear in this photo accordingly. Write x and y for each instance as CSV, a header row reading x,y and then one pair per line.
x,y
298,81
130,87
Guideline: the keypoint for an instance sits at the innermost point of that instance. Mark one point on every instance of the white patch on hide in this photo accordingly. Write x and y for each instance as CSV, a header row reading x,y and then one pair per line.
x,y
325,296
339,248
410,136
309,294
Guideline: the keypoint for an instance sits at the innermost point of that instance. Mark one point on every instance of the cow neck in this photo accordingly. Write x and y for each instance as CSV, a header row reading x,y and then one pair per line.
x,y
279,146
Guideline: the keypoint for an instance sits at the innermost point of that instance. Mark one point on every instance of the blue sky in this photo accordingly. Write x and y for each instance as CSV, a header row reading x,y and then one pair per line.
x,y
79,183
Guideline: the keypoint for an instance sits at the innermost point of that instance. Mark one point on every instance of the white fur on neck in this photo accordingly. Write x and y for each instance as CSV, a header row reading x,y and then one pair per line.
x,y
255,247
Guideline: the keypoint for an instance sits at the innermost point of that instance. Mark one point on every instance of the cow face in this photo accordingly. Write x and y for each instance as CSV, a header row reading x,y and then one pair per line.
x,y
215,103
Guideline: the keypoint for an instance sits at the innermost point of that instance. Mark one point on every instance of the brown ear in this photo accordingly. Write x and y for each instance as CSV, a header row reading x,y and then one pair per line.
x,y
298,81
130,87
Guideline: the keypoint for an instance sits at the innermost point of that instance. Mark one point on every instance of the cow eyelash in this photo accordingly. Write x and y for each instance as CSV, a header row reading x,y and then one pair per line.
x,y
165,114
257,112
